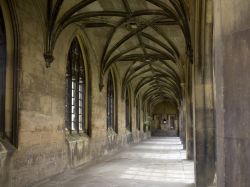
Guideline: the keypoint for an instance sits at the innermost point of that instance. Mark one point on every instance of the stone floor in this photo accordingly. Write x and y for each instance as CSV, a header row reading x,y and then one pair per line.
x,y
156,162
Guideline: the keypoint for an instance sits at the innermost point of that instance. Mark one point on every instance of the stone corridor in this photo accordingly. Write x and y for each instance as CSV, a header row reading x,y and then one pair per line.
x,y
159,161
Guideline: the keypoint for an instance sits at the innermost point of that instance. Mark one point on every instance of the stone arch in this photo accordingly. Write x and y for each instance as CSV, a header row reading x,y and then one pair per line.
x,y
87,82
11,71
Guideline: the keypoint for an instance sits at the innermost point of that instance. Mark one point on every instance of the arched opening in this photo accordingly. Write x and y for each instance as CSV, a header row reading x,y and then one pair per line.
x,y
110,103
76,91
9,84
2,74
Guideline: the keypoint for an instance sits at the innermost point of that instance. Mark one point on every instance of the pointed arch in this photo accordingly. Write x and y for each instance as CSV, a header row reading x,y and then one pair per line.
x,y
9,65
76,91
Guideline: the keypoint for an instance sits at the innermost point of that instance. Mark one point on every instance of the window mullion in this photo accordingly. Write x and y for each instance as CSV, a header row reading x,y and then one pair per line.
x,y
80,105
73,105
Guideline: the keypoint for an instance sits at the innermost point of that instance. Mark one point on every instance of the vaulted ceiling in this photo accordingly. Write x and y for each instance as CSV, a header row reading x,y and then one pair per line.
x,y
147,40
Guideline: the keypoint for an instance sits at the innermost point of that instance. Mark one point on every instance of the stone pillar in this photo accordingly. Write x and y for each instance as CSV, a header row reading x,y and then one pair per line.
x,y
232,77
188,113
182,128
183,117
204,129
179,121
189,133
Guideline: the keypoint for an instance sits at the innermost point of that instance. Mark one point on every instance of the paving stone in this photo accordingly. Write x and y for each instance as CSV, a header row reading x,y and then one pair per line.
x,y
156,162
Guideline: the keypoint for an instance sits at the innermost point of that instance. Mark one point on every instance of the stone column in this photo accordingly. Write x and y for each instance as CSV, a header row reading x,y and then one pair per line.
x,y
182,128
188,119
189,133
204,129
232,77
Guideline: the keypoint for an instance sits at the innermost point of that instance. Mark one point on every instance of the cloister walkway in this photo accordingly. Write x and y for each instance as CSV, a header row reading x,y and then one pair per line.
x,y
155,162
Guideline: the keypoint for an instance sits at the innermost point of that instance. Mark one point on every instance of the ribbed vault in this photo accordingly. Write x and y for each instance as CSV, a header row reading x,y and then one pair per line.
x,y
149,39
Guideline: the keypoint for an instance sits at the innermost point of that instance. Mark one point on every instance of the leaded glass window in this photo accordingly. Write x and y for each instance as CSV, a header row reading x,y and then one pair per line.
x,y
110,103
75,90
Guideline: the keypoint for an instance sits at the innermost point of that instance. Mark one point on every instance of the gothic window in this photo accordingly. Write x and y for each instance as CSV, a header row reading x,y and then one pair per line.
x,y
75,90
127,112
2,74
110,103
138,119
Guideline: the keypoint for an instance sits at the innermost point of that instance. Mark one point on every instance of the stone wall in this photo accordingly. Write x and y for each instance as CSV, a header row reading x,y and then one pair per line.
x,y
163,110
43,147
231,55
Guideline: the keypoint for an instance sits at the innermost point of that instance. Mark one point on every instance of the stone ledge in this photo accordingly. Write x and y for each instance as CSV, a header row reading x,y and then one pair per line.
x,y
77,137
6,146
111,135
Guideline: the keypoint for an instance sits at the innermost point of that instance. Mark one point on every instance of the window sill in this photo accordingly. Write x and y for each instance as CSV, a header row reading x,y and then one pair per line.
x,y
128,132
112,135
5,146
111,132
75,137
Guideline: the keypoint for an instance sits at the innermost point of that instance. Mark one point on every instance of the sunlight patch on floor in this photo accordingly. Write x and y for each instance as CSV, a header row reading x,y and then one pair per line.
x,y
159,175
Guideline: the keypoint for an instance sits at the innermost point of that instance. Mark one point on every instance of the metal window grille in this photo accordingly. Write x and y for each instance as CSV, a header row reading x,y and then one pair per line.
x,y
110,103
75,90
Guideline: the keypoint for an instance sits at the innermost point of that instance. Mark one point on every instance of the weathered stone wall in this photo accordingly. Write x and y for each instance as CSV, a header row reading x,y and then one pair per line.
x,y
44,149
163,109
232,54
